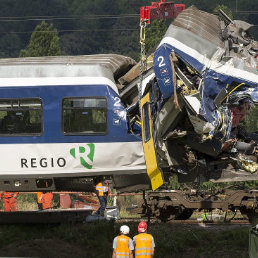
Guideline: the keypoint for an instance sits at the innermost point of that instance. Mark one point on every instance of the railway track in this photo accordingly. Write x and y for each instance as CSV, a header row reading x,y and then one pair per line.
x,y
80,215
191,221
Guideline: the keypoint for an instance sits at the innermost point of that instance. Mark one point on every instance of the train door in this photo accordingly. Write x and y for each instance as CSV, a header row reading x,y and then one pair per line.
x,y
153,171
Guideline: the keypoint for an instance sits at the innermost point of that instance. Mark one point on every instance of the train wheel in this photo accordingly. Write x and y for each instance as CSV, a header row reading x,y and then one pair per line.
x,y
184,215
249,214
165,215
170,213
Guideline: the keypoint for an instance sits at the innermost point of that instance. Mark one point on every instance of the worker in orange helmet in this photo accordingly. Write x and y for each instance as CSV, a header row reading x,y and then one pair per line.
x,y
143,243
9,199
47,198
39,200
123,244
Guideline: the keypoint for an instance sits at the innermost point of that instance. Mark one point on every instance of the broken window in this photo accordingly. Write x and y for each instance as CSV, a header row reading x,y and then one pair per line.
x,y
146,122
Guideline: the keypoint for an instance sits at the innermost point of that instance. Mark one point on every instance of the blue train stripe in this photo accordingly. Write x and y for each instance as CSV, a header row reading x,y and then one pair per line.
x,y
52,96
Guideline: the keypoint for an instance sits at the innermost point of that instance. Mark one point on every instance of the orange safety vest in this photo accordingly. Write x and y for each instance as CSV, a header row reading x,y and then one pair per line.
x,y
122,250
100,188
47,201
9,194
39,197
143,245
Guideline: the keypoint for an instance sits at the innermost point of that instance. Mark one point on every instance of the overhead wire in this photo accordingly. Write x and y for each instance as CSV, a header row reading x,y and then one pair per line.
x,y
47,18
41,18
241,11
80,30
87,17
74,17
61,31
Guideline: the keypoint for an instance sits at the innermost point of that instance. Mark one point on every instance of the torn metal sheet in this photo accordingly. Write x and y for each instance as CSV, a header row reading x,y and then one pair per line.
x,y
201,98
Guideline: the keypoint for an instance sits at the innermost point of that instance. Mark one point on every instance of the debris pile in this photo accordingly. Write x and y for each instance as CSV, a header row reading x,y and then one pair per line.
x,y
203,82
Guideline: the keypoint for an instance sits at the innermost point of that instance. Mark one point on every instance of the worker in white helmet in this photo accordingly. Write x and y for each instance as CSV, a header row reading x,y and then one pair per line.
x,y
123,244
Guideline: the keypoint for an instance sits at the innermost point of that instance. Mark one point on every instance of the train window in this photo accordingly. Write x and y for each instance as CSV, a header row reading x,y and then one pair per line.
x,y
20,117
146,122
84,115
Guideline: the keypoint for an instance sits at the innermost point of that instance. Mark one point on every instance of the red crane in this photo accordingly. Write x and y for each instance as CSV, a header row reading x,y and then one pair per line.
x,y
157,11
161,10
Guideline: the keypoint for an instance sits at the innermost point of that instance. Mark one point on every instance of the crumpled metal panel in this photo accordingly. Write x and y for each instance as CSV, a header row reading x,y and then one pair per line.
x,y
135,71
202,24
196,38
218,81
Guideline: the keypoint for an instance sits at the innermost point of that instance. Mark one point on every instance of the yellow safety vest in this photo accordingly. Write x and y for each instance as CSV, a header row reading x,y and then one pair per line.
x,y
122,250
143,245
100,189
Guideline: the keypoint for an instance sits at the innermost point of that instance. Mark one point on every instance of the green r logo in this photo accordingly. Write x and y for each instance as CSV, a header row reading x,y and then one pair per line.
x,y
86,154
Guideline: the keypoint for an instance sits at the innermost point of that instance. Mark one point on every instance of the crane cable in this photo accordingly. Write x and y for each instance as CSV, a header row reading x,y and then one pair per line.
x,y
143,60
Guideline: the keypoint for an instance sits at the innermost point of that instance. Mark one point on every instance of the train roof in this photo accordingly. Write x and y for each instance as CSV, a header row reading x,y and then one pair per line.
x,y
48,70
206,38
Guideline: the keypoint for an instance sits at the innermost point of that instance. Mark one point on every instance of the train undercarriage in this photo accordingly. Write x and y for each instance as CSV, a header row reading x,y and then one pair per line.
x,y
180,204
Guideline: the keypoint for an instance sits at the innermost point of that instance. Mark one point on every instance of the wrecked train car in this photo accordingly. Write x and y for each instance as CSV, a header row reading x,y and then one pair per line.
x,y
66,120
199,86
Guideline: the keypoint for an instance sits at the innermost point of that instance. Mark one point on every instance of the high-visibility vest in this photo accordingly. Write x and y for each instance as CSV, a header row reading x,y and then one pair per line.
x,y
122,250
47,201
39,197
143,245
100,188
9,194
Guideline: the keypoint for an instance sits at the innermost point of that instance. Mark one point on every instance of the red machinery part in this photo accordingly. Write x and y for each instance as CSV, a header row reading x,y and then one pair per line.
x,y
161,10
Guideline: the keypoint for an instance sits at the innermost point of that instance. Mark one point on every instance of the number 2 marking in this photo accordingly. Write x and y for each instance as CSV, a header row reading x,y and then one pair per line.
x,y
117,102
161,61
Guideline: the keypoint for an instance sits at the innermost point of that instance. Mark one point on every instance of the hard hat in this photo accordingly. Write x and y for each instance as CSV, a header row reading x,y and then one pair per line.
x,y
124,229
142,227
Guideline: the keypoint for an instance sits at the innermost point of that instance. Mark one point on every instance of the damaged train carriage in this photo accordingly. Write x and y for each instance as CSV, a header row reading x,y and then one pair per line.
x,y
198,87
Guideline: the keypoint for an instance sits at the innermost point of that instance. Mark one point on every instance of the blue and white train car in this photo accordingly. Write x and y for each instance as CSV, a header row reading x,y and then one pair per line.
x,y
62,124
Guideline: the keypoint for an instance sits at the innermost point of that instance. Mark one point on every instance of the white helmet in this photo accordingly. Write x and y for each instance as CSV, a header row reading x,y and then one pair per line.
x,y
124,229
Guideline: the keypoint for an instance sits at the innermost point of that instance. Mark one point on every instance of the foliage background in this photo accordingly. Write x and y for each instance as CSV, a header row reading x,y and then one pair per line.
x,y
92,27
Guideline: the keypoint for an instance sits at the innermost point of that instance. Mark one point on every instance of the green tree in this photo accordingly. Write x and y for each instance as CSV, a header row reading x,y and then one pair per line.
x,y
225,9
44,41
251,119
154,34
